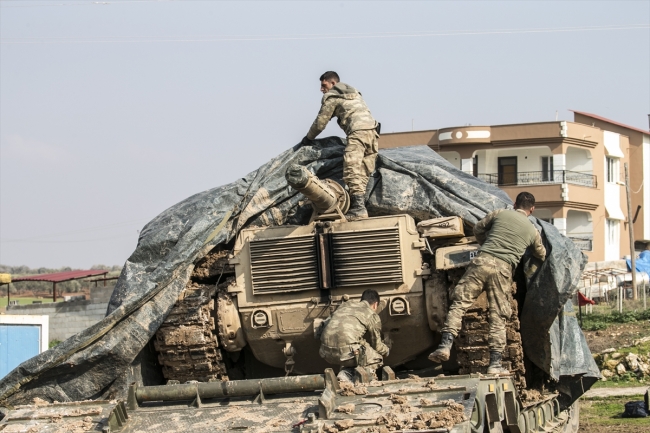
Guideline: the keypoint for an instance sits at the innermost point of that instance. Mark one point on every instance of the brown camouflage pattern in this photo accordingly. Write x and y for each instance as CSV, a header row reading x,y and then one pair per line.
x,y
342,340
346,104
494,276
359,160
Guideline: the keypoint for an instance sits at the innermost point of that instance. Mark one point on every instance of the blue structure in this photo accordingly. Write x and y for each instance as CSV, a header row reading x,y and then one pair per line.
x,y
18,343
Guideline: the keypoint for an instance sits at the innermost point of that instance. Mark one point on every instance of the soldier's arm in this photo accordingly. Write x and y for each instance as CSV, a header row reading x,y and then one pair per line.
x,y
481,228
374,331
538,247
324,116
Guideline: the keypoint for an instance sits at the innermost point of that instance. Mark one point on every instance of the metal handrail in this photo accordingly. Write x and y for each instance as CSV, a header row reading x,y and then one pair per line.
x,y
543,178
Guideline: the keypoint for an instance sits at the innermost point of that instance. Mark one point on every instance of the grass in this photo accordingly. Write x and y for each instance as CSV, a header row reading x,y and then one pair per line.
x,y
599,321
23,301
606,411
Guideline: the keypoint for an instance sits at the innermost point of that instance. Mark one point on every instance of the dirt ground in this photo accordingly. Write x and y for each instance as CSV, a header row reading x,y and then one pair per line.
x,y
617,335
602,414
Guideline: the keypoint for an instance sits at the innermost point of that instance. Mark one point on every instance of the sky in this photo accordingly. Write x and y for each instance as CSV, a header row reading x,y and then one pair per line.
x,y
113,111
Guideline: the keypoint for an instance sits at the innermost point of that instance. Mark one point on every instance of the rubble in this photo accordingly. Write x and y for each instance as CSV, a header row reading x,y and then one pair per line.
x,y
615,365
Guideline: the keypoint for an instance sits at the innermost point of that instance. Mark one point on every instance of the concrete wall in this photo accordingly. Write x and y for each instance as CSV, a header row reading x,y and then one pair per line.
x,y
69,318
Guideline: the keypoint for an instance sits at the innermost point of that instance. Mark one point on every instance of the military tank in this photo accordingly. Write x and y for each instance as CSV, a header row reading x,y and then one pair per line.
x,y
252,311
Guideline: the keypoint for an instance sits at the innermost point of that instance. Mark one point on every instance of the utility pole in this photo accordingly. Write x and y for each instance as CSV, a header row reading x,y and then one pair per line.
x,y
630,227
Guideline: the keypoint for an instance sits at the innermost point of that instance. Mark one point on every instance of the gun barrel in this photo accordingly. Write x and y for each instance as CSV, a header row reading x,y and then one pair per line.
x,y
324,196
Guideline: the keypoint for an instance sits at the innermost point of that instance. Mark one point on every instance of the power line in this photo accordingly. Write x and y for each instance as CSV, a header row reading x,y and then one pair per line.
x,y
235,38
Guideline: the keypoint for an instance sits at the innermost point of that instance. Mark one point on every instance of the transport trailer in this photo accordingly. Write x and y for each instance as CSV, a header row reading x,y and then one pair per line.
x,y
473,403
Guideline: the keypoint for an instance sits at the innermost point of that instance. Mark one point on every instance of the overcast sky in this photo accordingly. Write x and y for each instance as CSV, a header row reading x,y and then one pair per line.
x,y
112,111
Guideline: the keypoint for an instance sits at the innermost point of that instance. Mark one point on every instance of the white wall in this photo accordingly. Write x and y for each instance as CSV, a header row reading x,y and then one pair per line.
x,y
578,160
528,158
646,186
578,224
453,157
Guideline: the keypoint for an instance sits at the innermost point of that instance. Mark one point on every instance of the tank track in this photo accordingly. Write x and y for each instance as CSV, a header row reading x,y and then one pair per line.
x,y
473,353
187,342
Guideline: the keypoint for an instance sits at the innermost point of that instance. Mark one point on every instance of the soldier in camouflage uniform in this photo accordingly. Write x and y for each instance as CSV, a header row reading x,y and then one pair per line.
x,y
504,236
346,104
342,337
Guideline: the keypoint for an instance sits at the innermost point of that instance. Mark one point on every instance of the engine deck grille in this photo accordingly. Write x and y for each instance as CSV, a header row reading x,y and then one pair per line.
x,y
367,257
284,264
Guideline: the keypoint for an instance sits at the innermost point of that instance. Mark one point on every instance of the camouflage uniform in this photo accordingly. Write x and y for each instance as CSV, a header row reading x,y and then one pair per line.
x,y
342,341
504,236
346,104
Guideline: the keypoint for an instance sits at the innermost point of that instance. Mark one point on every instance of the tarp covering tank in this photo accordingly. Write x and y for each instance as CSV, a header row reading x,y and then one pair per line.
x,y
100,361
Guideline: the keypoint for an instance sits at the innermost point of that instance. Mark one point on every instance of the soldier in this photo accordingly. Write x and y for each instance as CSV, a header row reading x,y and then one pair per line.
x,y
346,104
504,236
342,341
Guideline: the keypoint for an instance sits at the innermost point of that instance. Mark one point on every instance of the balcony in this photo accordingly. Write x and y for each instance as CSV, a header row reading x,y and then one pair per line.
x,y
540,178
585,244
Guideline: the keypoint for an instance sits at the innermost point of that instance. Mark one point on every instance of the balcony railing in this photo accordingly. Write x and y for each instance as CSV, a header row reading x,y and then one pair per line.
x,y
585,244
541,178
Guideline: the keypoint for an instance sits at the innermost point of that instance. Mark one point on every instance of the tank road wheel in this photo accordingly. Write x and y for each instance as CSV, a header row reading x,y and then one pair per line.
x,y
186,341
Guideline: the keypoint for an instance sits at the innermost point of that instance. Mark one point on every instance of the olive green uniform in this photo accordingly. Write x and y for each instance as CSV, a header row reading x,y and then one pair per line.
x,y
504,236
353,116
342,339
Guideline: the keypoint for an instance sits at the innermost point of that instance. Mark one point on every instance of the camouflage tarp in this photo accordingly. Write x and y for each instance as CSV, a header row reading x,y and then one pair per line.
x,y
100,361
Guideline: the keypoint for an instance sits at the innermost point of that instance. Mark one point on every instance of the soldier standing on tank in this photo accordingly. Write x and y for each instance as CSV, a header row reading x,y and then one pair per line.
x,y
344,102
342,336
504,236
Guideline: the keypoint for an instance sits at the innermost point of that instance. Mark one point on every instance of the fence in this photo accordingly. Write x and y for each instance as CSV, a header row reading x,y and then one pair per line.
x,y
541,178
613,286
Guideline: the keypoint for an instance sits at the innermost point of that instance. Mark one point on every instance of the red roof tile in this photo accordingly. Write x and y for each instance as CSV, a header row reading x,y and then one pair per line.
x,y
61,276
611,121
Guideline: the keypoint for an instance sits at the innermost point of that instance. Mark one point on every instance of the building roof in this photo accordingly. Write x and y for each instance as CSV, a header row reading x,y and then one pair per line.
x,y
613,122
61,276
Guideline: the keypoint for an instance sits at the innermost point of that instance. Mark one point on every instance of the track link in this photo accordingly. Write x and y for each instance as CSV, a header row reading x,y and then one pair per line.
x,y
186,342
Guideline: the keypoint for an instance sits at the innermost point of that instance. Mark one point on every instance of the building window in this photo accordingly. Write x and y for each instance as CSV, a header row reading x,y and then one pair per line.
x,y
547,168
611,169
612,232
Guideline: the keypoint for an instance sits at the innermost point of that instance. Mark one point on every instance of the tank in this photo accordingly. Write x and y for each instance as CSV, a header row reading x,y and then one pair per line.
x,y
240,344
277,284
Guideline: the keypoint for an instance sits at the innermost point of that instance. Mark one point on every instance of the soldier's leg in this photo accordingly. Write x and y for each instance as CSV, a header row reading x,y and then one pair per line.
x,y
464,295
355,174
373,361
359,159
499,293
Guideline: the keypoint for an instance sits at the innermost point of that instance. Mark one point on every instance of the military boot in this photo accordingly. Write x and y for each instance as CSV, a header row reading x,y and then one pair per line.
x,y
346,375
444,349
495,366
357,208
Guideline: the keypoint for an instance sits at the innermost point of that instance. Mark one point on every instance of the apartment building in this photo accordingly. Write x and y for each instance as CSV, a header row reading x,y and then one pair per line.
x,y
574,169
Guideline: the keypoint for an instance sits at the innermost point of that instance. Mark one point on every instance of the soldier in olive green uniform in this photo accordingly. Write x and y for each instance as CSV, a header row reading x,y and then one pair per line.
x,y
504,236
342,339
346,104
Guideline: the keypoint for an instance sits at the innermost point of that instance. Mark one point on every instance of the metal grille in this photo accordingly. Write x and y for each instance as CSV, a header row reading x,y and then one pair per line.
x,y
367,257
284,264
